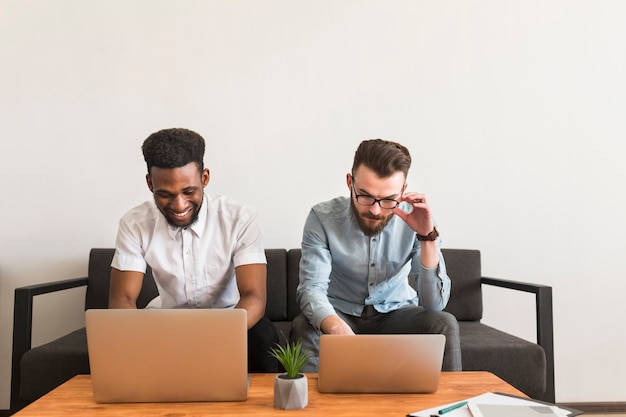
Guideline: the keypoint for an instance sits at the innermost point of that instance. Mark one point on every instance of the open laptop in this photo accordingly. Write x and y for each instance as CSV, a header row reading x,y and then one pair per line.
x,y
380,363
168,355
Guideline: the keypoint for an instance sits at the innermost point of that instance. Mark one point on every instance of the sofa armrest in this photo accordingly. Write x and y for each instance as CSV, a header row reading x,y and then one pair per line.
x,y
23,323
545,322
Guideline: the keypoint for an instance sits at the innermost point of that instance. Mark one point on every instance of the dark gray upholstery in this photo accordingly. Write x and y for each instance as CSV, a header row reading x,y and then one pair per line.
x,y
466,298
50,365
525,365
509,357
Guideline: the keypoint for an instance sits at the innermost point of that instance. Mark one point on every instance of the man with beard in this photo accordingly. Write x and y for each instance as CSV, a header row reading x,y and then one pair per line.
x,y
205,251
359,251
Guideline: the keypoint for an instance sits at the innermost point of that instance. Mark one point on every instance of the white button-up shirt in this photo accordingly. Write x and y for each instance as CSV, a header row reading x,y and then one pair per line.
x,y
193,267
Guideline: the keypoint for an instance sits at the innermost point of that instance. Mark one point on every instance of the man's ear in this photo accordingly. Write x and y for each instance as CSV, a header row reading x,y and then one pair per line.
x,y
206,176
149,182
349,181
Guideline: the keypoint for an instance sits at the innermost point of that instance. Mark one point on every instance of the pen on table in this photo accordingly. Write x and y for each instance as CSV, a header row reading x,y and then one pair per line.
x,y
452,407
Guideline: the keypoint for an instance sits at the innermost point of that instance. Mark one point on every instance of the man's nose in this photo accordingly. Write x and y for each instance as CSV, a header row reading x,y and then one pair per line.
x,y
375,209
179,203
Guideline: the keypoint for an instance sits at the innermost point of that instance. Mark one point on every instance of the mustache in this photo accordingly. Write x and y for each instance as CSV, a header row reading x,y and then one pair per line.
x,y
373,217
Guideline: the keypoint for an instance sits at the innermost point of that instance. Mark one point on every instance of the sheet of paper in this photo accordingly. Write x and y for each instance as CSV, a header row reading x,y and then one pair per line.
x,y
517,410
487,398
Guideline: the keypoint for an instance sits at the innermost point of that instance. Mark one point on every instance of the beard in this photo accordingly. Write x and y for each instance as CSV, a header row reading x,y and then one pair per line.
x,y
192,221
368,228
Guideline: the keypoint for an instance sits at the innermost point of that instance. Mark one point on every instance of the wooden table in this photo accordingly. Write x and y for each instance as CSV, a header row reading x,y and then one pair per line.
x,y
74,398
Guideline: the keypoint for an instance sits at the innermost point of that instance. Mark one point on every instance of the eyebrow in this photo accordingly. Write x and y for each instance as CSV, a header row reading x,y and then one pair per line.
x,y
163,191
390,197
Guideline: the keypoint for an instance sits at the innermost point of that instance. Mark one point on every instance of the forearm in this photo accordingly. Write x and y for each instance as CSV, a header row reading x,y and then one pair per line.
x,y
315,306
251,283
433,285
429,254
121,302
124,288
255,308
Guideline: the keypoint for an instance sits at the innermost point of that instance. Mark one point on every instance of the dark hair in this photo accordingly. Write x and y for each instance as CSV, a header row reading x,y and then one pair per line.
x,y
383,157
173,148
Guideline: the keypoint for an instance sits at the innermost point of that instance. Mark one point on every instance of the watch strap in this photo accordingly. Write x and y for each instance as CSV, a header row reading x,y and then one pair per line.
x,y
433,235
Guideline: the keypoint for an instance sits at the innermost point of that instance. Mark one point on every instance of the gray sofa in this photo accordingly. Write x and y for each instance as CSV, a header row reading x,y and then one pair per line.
x,y
525,365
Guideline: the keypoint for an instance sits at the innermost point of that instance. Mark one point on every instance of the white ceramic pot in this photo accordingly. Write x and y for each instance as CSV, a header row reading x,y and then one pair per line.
x,y
291,393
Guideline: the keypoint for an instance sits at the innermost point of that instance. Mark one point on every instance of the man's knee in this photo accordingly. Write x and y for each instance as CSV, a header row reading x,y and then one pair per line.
x,y
448,319
442,321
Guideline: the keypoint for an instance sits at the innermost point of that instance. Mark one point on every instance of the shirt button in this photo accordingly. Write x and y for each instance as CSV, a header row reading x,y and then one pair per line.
x,y
371,284
373,265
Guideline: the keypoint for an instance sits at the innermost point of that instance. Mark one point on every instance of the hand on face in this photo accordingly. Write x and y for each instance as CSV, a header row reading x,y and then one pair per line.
x,y
419,218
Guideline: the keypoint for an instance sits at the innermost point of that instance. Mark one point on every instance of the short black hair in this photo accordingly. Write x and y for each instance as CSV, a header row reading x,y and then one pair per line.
x,y
173,148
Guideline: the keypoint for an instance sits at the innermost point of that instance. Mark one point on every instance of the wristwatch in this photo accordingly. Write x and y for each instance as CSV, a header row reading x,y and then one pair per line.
x,y
429,237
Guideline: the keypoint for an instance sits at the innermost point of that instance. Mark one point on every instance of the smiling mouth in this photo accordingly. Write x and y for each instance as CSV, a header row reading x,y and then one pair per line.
x,y
181,215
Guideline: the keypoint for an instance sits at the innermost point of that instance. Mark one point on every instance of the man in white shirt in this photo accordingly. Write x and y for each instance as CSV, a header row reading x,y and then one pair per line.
x,y
205,251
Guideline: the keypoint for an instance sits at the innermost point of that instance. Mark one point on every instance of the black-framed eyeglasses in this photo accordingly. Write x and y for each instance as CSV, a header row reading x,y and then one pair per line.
x,y
367,200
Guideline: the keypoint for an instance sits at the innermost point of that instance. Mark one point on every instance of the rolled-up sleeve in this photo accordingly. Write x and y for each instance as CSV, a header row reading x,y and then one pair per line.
x,y
433,284
315,269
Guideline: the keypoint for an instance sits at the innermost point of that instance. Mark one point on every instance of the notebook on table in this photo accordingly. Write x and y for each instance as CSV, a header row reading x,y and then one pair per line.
x,y
168,355
399,363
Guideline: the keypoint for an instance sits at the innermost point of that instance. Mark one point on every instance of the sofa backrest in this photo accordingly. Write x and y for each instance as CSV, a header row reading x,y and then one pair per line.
x,y
99,273
282,280
466,298
276,307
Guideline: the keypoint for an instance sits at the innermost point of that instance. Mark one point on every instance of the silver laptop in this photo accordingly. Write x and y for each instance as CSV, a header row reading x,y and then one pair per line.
x,y
168,355
398,363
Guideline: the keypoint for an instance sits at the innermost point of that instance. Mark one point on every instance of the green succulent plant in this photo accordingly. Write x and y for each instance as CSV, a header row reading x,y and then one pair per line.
x,y
291,356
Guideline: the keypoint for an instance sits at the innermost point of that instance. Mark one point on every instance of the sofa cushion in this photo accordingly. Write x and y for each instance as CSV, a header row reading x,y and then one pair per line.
x,y
519,362
48,366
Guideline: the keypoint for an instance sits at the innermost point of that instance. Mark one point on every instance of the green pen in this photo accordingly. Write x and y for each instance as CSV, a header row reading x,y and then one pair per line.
x,y
452,407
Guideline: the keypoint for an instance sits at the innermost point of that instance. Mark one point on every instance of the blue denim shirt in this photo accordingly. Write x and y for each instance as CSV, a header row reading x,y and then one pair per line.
x,y
342,268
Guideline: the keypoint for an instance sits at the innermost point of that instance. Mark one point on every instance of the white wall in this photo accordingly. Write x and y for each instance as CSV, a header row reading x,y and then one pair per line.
x,y
514,112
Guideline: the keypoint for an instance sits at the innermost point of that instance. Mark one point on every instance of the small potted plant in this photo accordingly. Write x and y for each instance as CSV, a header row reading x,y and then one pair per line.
x,y
291,388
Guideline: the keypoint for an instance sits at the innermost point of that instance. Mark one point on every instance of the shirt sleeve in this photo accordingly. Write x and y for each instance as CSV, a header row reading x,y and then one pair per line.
x,y
315,269
129,255
433,284
249,246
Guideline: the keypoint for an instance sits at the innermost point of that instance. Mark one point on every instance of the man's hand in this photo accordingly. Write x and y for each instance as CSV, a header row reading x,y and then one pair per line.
x,y
420,218
421,221
334,325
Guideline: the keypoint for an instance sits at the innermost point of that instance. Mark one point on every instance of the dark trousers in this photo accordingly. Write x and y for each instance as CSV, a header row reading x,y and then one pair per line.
x,y
409,319
261,338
